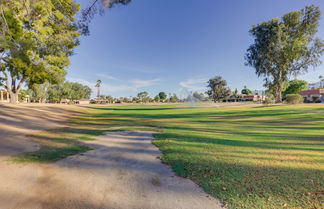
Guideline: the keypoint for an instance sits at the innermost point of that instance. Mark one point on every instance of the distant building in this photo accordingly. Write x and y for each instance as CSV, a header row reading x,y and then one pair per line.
x,y
83,101
253,97
313,95
4,96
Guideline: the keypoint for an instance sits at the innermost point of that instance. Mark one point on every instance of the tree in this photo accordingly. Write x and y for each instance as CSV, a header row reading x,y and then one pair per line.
x,y
96,6
285,47
246,91
75,91
23,96
110,99
39,92
163,96
157,98
98,85
295,86
143,96
218,89
55,93
36,40
198,96
174,98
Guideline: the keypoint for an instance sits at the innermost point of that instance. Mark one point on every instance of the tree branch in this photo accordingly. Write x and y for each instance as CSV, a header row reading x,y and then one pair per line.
x,y
7,81
20,83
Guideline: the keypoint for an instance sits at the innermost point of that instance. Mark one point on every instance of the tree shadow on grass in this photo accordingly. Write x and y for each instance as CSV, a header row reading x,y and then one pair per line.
x,y
231,176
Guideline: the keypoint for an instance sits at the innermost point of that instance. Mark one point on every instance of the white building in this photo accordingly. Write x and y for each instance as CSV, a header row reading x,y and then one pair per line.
x,y
4,96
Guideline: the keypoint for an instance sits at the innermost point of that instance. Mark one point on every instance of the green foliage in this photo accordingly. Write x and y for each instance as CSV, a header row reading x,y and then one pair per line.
x,y
75,91
157,98
246,91
218,89
295,86
143,96
163,96
174,98
98,83
294,99
46,155
23,95
37,38
285,47
268,101
39,92
55,93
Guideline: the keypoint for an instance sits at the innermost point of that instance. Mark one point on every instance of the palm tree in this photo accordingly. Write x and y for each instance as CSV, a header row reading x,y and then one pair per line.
x,y
98,85
321,78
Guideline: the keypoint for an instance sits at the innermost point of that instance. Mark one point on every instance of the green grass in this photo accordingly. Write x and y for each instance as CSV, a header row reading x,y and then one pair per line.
x,y
249,157
47,154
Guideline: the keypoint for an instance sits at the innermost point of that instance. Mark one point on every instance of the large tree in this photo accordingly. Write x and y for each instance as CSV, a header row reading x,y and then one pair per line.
x,y
217,89
36,39
38,36
285,47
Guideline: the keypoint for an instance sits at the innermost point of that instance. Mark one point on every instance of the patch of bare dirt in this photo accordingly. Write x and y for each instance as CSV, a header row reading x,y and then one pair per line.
x,y
16,121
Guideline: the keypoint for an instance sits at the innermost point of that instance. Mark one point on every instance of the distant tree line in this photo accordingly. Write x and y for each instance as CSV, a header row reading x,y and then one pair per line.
x,y
142,97
57,93
218,91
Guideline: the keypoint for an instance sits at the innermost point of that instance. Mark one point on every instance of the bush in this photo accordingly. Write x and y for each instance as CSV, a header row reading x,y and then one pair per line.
x,y
294,99
268,101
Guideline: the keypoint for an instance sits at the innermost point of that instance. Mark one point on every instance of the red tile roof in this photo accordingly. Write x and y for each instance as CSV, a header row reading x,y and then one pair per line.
x,y
312,91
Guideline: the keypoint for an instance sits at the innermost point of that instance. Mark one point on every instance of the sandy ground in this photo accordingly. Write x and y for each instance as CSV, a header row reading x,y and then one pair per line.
x,y
123,171
18,120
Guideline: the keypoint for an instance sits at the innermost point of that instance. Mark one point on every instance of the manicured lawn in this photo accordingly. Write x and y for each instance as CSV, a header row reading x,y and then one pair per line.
x,y
249,157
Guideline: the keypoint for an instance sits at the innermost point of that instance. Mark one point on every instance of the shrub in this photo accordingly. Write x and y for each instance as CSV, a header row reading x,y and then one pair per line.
x,y
268,101
294,99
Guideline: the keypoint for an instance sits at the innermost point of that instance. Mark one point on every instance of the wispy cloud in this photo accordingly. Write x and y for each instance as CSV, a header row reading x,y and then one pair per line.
x,y
194,84
124,86
136,68
144,83
106,76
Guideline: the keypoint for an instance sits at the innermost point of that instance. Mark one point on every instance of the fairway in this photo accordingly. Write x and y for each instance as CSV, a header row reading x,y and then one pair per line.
x,y
249,157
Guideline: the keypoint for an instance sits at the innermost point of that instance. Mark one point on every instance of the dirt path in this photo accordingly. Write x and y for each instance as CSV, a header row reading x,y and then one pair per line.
x,y
18,120
122,172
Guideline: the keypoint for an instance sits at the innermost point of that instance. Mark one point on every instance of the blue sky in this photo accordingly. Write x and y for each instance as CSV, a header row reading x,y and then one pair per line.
x,y
176,45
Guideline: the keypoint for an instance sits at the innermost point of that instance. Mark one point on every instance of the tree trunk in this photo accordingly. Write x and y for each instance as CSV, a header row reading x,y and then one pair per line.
x,y
278,95
13,97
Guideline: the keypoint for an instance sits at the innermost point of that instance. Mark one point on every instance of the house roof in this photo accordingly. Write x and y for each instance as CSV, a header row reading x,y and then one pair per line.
x,y
312,91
